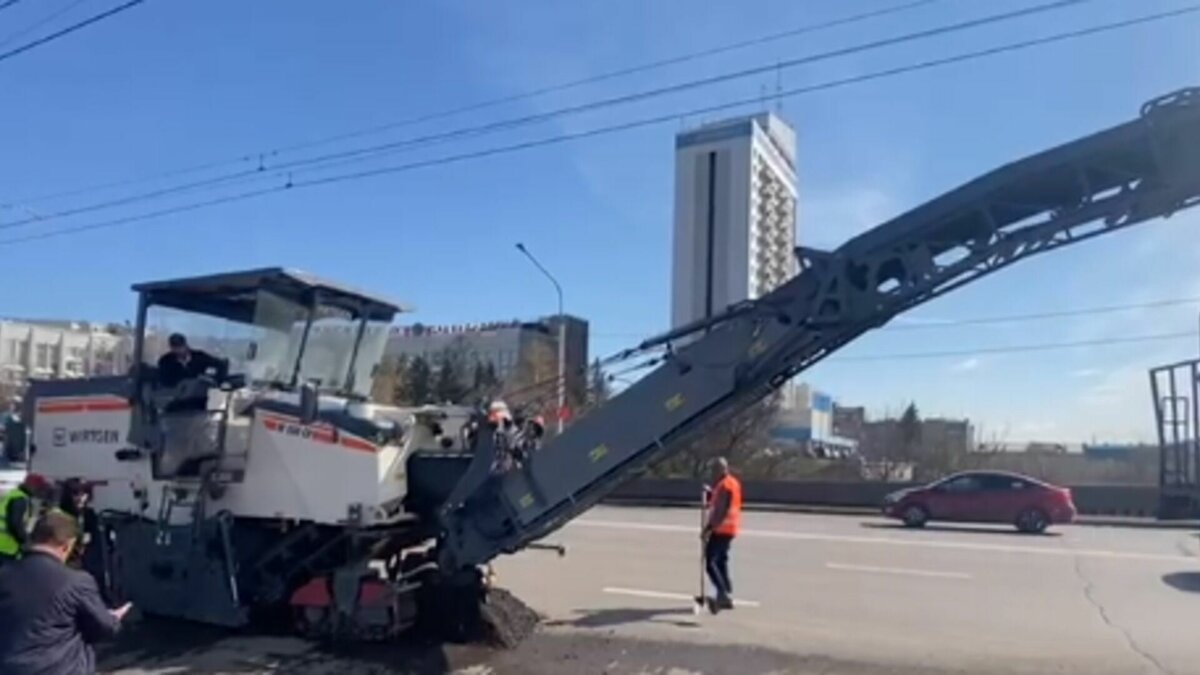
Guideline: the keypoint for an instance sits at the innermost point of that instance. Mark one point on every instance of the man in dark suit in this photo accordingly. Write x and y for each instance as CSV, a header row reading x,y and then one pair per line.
x,y
51,614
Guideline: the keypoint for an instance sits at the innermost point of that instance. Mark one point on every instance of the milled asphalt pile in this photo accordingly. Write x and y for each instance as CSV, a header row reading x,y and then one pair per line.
x,y
157,646
508,621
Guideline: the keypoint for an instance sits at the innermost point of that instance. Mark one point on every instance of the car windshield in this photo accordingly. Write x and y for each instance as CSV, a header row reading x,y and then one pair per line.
x,y
266,349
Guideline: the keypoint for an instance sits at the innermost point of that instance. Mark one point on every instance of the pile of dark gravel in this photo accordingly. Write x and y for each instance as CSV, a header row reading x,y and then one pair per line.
x,y
505,620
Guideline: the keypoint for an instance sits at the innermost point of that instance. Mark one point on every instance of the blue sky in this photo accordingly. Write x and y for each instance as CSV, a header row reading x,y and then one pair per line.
x,y
172,84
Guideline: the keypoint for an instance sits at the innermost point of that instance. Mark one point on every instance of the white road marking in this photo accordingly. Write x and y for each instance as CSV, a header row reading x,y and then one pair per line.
x,y
897,570
663,595
892,541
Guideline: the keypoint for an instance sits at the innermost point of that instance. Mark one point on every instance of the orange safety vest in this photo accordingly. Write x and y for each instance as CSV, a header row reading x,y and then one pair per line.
x,y
733,517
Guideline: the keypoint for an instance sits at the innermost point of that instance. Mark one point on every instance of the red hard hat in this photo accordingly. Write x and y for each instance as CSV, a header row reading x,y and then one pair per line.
x,y
37,482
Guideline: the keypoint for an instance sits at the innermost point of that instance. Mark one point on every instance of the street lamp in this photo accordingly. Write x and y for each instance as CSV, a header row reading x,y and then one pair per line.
x,y
562,335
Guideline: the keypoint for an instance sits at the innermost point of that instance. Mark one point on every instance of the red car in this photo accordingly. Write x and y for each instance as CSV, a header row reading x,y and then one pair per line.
x,y
984,497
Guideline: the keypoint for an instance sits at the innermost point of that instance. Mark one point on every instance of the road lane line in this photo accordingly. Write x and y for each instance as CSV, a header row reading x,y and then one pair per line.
x,y
663,595
892,541
897,570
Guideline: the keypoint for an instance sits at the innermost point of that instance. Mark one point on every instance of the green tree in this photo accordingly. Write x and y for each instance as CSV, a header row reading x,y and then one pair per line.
x,y
485,385
450,383
418,382
910,432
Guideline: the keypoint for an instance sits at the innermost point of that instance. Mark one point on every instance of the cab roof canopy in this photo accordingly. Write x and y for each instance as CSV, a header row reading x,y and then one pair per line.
x,y
234,295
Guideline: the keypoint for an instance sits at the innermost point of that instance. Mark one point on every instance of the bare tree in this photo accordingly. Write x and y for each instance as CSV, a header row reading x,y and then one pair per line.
x,y
390,382
740,439
533,385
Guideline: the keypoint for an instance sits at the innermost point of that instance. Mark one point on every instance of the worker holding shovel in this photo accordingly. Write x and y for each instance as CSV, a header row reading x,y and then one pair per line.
x,y
721,521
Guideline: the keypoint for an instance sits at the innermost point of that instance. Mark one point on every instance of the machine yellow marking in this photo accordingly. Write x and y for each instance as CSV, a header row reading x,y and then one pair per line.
x,y
526,501
758,347
674,402
598,452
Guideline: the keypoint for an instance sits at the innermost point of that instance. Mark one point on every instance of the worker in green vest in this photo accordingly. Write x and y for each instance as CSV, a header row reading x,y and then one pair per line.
x,y
18,511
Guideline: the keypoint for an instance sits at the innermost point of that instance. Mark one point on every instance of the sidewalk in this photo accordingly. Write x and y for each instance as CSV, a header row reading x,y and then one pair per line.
x,y
861,511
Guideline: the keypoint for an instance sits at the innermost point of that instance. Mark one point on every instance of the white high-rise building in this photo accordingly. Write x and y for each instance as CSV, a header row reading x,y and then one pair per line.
x,y
735,214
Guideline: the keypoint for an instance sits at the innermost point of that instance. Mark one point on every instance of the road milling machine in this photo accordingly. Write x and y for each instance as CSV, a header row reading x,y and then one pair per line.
x,y
273,484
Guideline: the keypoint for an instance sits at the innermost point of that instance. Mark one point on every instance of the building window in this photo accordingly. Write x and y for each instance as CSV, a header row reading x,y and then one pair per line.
x,y
43,356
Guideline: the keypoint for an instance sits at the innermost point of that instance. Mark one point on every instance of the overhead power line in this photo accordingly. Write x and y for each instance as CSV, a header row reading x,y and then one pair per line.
x,y
331,160
1017,318
622,72
12,37
1037,347
625,126
491,103
63,32
5,4
1000,319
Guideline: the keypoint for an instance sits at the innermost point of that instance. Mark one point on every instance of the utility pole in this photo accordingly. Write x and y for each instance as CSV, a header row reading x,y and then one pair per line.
x,y
562,336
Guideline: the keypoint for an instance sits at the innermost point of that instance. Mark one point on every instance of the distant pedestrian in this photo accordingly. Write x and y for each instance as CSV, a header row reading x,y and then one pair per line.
x,y
724,521
13,435
52,614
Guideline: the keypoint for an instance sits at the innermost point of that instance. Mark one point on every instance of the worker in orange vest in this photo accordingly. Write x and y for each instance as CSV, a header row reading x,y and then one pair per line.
x,y
724,520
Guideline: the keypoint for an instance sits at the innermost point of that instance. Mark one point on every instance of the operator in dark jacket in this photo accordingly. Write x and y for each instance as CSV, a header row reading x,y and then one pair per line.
x,y
183,363
51,614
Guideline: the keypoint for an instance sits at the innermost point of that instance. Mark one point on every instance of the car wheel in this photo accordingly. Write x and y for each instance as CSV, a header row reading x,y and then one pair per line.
x,y
1032,521
915,516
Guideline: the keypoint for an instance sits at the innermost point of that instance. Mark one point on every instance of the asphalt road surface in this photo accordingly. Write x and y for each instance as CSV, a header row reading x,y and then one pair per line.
x,y
818,594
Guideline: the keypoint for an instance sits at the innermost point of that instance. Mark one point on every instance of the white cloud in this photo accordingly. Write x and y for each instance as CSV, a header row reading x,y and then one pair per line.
x,y
966,365
1086,372
830,217
1033,430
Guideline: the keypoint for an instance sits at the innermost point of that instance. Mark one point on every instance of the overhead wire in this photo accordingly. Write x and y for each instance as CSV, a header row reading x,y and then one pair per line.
x,y
12,37
958,353
1037,316
63,32
1035,347
262,155
823,86
625,126
331,160
1000,319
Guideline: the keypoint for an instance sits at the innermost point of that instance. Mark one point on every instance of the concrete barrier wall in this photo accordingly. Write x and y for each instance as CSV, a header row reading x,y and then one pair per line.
x,y
1116,500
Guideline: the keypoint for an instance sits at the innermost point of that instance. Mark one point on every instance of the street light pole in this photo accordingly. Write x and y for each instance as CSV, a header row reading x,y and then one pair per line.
x,y
562,336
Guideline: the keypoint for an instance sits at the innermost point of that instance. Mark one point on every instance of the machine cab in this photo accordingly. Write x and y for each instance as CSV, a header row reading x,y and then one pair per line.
x,y
211,351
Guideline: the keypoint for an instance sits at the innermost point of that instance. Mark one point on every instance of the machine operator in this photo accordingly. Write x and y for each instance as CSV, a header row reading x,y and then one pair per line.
x,y
184,363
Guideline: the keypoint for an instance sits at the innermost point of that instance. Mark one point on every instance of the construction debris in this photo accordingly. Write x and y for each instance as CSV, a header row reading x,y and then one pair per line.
x,y
505,620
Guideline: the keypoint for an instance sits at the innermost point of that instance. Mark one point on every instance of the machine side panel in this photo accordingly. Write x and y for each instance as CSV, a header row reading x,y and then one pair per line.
x,y
316,473
78,437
